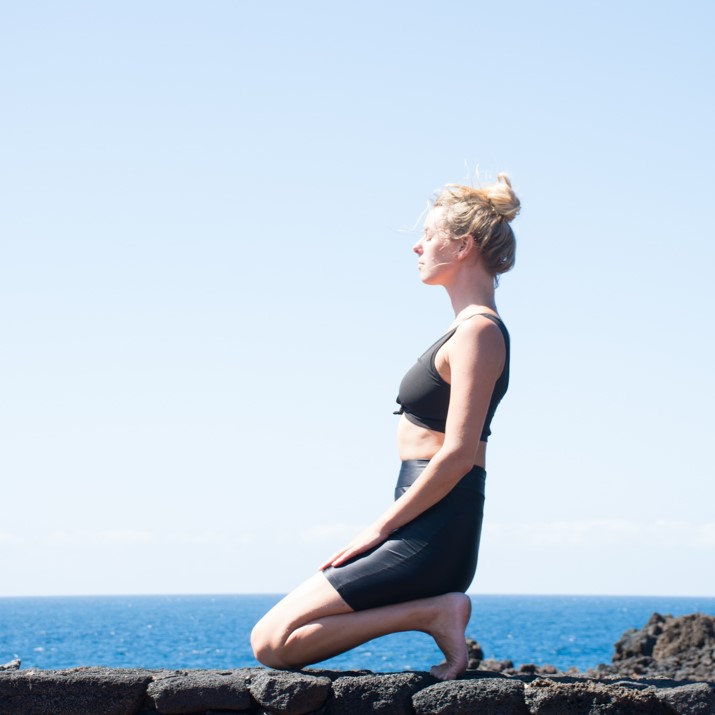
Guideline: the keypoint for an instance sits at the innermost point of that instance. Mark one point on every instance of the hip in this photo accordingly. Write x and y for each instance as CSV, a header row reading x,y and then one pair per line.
x,y
473,482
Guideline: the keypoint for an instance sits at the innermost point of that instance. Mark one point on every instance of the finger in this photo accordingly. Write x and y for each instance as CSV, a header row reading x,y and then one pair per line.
x,y
341,559
331,560
325,565
346,555
353,551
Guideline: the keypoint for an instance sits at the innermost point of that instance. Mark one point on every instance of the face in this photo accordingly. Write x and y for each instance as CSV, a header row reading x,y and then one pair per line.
x,y
436,250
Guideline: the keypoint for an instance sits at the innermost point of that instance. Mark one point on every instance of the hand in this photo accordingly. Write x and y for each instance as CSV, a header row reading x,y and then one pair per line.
x,y
372,536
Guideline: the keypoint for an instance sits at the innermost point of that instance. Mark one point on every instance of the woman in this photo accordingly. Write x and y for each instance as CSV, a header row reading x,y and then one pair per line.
x,y
410,568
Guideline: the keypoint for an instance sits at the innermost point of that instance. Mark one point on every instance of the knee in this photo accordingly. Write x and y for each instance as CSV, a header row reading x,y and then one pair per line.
x,y
266,647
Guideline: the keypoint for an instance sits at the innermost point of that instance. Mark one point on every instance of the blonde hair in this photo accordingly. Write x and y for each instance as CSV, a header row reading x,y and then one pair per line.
x,y
484,214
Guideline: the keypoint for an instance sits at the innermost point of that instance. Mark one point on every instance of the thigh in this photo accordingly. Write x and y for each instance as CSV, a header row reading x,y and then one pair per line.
x,y
314,598
435,553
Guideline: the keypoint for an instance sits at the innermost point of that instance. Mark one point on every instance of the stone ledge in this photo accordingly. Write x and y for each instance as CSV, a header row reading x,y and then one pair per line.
x,y
112,691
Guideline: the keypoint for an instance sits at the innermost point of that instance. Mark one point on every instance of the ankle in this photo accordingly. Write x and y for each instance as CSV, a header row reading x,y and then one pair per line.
x,y
431,614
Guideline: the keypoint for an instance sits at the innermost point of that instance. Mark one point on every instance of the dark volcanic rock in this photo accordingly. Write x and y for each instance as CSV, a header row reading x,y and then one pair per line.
x,y
497,666
681,648
547,697
106,691
289,693
476,661
475,654
390,693
333,674
695,632
486,696
12,665
636,643
693,699
78,691
190,691
480,674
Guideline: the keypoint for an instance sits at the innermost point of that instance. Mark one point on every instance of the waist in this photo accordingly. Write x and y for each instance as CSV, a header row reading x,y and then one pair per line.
x,y
474,480
415,443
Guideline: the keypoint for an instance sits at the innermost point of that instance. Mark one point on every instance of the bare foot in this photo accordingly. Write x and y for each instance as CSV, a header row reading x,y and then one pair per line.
x,y
447,628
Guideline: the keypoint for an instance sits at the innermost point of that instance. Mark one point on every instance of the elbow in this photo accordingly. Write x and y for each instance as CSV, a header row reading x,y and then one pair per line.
x,y
466,466
459,461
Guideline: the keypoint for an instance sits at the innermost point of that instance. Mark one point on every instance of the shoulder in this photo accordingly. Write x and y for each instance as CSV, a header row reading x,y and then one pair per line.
x,y
481,329
479,336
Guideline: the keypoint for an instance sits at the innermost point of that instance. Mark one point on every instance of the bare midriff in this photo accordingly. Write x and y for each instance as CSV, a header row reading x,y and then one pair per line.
x,y
415,442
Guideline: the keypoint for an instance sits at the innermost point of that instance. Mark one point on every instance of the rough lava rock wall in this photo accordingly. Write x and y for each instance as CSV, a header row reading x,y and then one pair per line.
x,y
655,671
107,691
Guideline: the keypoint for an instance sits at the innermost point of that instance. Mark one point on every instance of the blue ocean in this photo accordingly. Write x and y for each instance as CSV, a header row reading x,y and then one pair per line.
x,y
212,631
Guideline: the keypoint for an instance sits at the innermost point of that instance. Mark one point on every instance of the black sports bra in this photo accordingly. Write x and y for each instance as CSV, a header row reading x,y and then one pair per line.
x,y
424,395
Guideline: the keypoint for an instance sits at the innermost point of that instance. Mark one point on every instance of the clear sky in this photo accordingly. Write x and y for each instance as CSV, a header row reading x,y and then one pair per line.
x,y
208,299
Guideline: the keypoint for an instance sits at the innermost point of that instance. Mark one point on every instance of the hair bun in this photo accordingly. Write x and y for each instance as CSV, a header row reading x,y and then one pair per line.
x,y
502,198
484,214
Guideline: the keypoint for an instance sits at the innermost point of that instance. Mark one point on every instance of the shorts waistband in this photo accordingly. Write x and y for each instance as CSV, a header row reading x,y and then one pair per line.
x,y
410,470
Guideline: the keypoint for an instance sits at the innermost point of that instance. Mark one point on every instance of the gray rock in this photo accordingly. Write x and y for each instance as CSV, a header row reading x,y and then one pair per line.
x,y
527,668
289,693
389,693
189,691
681,648
486,696
547,697
12,665
636,643
498,666
78,691
475,654
547,669
693,699
480,674
333,674
633,684
680,635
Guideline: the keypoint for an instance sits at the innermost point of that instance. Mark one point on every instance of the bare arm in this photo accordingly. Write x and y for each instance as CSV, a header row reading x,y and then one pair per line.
x,y
475,356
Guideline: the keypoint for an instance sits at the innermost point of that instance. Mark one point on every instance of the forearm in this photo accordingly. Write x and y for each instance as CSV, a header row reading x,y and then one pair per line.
x,y
442,473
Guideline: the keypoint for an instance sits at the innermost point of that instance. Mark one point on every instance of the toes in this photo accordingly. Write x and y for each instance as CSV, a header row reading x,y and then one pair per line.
x,y
443,672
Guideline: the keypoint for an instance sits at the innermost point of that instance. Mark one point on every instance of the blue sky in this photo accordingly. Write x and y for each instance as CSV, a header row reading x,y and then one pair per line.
x,y
208,295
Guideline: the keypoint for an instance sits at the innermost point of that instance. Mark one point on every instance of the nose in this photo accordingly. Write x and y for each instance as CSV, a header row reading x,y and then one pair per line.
x,y
417,248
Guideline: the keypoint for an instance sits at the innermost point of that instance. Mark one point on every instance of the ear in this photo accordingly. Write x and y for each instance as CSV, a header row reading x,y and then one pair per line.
x,y
466,246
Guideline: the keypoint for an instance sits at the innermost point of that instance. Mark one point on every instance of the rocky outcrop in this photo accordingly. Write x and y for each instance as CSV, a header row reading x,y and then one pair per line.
x,y
255,691
680,648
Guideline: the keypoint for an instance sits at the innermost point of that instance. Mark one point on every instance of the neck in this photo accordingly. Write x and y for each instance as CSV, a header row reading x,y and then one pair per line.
x,y
470,289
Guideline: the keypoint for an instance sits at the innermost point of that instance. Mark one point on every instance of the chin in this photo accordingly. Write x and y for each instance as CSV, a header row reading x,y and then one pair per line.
x,y
431,280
